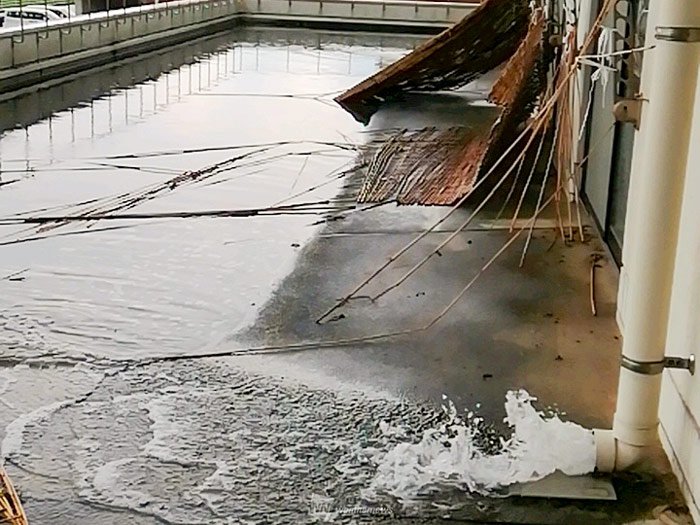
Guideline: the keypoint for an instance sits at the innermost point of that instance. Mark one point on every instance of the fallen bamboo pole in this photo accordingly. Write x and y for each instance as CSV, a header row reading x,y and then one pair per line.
x,y
461,227
418,238
291,209
11,510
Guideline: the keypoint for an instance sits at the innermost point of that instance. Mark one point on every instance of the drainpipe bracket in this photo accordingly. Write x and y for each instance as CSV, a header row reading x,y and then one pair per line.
x,y
678,34
643,367
628,110
656,367
684,363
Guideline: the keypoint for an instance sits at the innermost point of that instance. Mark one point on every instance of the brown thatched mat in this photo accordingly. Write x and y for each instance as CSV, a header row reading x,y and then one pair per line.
x,y
439,167
420,166
480,42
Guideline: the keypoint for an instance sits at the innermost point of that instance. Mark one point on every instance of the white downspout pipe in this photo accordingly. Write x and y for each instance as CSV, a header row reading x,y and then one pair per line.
x,y
657,187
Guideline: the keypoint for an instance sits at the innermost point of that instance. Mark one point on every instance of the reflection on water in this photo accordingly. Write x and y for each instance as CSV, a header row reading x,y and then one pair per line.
x,y
129,288
202,63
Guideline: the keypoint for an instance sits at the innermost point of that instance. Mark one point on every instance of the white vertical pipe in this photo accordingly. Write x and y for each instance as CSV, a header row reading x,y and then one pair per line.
x,y
657,188
639,141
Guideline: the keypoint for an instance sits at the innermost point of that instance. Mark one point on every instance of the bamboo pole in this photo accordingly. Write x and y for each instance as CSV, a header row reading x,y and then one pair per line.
x,y
11,510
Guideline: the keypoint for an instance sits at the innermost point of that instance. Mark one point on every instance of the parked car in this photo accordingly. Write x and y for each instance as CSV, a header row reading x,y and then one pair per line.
x,y
60,10
28,16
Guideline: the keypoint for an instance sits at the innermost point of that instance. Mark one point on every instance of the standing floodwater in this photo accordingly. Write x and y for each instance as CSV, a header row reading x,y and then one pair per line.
x,y
173,286
242,122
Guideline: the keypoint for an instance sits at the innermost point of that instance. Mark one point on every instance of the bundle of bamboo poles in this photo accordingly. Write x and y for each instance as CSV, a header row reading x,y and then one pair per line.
x,y
565,167
248,158
11,510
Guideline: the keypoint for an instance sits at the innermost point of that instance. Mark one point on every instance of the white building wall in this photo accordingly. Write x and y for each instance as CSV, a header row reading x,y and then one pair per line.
x,y
680,399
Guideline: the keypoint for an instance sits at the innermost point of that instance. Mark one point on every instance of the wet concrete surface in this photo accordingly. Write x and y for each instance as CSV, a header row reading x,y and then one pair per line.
x,y
529,327
94,435
516,328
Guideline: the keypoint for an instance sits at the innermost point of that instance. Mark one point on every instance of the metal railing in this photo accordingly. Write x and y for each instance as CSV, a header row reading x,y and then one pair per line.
x,y
120,27
24,44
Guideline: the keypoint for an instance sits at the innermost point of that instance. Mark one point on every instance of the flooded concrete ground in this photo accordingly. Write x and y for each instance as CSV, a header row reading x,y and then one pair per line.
x,y
170,286
281,438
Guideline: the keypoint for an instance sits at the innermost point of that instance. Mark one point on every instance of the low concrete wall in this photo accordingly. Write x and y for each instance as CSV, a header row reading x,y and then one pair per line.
x,y
395,15
40,53
32,55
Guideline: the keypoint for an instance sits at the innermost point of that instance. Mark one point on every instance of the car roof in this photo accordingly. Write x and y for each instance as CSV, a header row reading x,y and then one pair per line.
x,y
30,9
33,8
51,9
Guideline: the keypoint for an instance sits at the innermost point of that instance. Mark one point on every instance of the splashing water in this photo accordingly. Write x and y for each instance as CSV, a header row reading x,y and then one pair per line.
x,y
453,455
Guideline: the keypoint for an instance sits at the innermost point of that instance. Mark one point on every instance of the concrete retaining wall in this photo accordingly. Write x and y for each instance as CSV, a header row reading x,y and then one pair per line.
x,y
29,56
398,14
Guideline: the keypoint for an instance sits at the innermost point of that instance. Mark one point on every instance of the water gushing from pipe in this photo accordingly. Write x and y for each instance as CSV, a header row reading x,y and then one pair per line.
x,y
453,454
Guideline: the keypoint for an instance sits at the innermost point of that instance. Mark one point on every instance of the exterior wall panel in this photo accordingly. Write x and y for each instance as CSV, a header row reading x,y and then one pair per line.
x,y
680,408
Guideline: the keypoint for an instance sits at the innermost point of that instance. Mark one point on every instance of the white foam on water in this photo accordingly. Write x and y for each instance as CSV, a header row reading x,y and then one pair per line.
x,y
449,456
14,432
165,428
292,373
6,380
215,489
111,483
107,477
